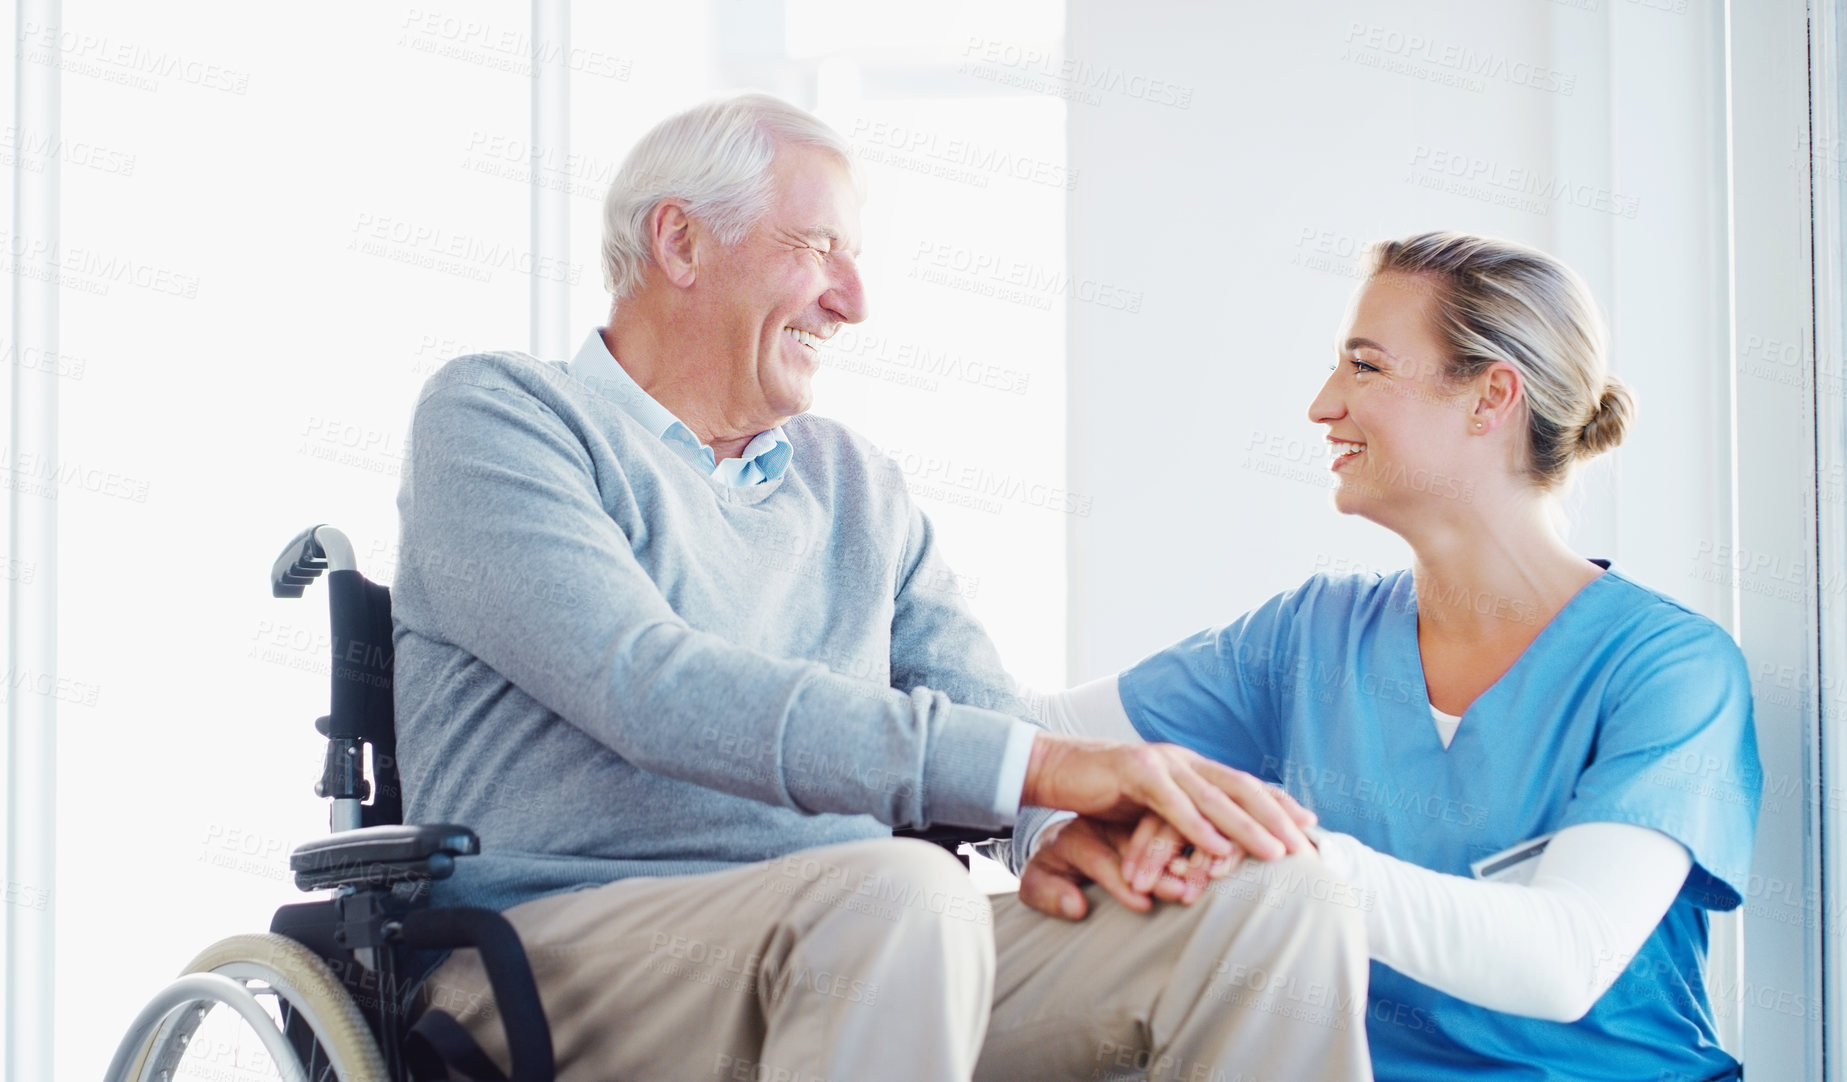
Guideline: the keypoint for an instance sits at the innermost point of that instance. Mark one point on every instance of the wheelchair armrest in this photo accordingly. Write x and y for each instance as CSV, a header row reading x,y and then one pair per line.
x,y
953,838
380,856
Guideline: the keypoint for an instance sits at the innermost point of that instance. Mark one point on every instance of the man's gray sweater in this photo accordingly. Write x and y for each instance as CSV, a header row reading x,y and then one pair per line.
x,y
610,665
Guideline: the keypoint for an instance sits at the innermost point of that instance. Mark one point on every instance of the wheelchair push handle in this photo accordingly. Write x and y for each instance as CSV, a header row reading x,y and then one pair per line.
x,y
312,551
361,677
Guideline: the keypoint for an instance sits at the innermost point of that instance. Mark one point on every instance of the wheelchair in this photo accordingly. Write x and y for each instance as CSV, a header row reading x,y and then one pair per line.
x,y
331,989
338,974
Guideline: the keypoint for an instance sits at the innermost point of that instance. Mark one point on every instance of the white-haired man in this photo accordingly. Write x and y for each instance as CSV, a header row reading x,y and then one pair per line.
x,y
724,659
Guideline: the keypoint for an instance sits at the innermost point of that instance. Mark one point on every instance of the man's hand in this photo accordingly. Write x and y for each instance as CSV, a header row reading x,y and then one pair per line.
x,y
1079,851
1219,810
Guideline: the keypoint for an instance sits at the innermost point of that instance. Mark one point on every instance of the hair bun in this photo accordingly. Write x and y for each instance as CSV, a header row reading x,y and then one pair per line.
x,y
1605,429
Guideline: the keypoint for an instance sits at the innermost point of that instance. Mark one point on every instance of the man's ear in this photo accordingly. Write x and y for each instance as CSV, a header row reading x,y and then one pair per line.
x,y
672,238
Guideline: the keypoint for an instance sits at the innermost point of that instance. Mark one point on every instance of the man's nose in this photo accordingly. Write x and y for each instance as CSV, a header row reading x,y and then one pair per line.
x,y
846,298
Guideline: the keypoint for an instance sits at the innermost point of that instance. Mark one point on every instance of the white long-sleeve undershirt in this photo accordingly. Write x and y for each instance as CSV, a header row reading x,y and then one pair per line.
x,y
1547,948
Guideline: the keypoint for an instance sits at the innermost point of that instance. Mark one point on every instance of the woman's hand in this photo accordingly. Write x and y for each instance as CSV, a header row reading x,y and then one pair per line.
x,y
1086,850
1215,807
1170,855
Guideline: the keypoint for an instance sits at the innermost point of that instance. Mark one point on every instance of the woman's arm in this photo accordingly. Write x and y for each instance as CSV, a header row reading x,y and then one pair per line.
x,y
1093,709
1547,949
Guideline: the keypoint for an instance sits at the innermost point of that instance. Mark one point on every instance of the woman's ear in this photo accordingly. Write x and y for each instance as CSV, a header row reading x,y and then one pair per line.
x,y
1499,392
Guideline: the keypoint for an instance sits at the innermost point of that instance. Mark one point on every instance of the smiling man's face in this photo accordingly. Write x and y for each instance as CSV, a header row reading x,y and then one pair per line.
x,y
789,283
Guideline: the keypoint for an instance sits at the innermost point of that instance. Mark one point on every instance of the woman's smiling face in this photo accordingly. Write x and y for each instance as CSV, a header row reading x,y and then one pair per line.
x,y
1396,424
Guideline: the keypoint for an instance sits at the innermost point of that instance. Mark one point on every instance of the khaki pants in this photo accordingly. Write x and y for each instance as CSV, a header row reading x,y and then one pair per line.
x,y
878,960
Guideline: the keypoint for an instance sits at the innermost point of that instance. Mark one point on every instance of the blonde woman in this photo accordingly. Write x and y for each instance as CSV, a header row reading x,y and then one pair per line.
x,y
1537,774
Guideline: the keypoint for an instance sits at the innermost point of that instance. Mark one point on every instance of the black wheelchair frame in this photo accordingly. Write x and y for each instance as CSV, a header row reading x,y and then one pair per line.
x,y
343,971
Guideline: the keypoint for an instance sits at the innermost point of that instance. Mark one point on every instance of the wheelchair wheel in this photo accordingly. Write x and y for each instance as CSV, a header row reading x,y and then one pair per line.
x,y
315,1032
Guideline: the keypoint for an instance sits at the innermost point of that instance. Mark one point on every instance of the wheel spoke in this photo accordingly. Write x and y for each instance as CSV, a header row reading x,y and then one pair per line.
x,y
328,1035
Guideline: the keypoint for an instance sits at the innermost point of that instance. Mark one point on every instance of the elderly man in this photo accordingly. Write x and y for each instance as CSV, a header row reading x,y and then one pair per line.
x,y
684,655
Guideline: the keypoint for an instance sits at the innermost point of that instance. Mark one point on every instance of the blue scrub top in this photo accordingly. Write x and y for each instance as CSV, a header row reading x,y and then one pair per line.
x,y
1627,708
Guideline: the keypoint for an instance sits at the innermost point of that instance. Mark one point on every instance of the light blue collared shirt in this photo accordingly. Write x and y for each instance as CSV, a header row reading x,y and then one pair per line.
x,y
765,457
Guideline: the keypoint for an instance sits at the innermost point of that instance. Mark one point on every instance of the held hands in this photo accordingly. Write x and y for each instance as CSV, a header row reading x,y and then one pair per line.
x,y
1211,805
1175,799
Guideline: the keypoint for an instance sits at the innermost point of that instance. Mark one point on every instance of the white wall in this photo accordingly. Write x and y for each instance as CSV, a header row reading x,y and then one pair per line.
x,y
1309,130
296,246
1772,565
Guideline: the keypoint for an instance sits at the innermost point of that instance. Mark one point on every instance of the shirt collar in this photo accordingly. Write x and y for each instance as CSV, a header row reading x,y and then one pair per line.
x,y
765,457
